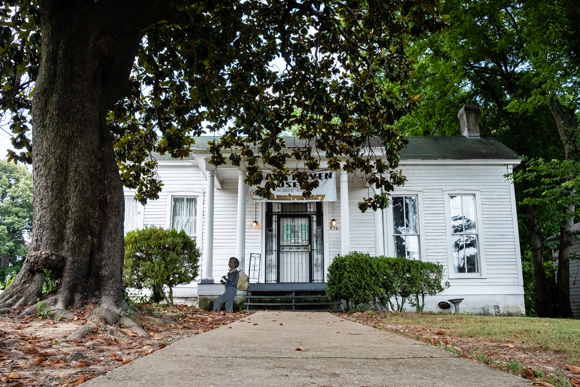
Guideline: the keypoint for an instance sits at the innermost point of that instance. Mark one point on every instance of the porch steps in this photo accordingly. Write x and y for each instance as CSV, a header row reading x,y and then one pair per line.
x,y
290,297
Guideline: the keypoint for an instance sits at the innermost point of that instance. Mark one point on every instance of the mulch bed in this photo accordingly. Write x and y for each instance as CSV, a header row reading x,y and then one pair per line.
x,y
34,351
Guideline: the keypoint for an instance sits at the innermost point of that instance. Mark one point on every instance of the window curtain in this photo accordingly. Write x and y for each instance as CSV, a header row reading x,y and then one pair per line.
x,y
131,215
184,215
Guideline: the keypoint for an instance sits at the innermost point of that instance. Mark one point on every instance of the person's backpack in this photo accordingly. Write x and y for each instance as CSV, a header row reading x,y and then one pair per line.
x,y
243,281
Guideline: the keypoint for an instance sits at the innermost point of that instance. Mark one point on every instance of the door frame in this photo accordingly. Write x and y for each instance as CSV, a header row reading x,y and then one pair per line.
x,y
279,236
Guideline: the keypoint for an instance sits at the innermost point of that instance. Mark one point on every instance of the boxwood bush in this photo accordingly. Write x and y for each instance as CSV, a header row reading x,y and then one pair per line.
x,y
155,257
360,279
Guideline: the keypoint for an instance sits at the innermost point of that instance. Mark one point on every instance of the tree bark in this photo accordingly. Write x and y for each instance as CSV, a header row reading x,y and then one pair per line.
x,y
88,49
563,274
544,304
568,129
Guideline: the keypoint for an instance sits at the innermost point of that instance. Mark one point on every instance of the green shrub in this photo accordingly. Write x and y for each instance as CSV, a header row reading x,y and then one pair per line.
x,y
352,278
155,258
359,279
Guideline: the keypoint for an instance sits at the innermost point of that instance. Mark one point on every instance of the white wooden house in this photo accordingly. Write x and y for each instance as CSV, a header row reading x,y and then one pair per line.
x,y
456,209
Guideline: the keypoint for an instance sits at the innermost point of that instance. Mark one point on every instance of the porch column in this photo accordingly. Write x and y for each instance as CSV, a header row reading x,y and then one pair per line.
x,y
207,265
344,214
241,235
379,244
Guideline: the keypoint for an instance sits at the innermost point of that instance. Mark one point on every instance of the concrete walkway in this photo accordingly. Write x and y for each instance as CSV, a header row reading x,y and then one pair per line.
x,y
260,350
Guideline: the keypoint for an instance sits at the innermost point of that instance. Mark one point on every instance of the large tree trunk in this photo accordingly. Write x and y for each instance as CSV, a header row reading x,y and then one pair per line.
x,y
563,274
569,131
544,304
88,49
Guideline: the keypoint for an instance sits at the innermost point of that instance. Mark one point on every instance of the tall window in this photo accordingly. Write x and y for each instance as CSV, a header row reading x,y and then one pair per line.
x,y
464,233
133,215
406,227
184,215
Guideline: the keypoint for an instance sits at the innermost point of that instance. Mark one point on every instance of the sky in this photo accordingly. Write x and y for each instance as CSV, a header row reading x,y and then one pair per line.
x,y
4,144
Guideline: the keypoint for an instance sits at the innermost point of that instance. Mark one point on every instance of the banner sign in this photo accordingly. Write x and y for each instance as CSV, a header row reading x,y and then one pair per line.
x,y
290,191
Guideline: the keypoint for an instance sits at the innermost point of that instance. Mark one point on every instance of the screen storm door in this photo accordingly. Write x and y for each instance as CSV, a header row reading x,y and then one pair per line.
x,y
295,249
294,243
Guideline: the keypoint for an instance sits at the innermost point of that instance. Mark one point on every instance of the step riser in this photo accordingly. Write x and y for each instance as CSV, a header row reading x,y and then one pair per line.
x,y
291,300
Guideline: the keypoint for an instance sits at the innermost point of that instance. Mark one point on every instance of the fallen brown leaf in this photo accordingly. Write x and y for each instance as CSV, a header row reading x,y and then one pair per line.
x,y
281,324
527,374
255,323
39,360
126,362
80,380
440,333
573,369
300,349
82,364
510,346
539,383
14,375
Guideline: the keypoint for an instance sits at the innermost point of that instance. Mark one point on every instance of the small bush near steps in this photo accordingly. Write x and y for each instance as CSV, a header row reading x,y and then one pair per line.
x,y
361,279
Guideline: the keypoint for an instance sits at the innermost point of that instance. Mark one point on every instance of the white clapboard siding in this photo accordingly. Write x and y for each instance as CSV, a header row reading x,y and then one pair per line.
x,y
362,225
334,235
496,233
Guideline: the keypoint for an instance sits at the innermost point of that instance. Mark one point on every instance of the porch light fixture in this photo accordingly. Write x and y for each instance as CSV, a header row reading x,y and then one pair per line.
x,y
333,221
255,222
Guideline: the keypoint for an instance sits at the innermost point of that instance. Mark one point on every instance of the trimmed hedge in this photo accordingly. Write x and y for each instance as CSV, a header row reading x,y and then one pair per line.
x,y
359,279
155,258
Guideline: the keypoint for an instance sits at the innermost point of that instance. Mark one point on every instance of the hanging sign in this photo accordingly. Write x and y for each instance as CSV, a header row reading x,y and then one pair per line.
x,y
290,191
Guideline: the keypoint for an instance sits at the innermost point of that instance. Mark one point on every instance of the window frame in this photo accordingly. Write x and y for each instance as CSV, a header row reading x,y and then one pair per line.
x,y
479,234
199,213
131,195
390,228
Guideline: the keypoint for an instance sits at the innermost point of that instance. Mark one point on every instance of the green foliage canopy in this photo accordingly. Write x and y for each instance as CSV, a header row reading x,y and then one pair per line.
x,y
206,66
15,209
155,258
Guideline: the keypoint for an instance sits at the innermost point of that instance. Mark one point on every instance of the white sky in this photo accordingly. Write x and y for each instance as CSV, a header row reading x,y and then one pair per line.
x,y
4,144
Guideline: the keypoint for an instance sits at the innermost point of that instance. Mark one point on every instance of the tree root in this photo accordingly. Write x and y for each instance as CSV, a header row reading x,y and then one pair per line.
x,y
134,327
81,333
102,316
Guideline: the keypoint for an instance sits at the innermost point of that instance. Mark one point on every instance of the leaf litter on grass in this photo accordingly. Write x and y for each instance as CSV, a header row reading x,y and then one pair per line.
x,y
533,348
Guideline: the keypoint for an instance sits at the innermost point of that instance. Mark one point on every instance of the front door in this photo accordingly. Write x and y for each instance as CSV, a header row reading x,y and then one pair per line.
x,y
294,248
294,256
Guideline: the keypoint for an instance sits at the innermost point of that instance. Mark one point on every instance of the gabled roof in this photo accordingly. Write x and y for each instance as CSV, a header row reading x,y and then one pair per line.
x,y
419,148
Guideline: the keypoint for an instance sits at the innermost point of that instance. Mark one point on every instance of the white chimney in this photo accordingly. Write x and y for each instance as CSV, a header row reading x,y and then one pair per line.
x,y
468,116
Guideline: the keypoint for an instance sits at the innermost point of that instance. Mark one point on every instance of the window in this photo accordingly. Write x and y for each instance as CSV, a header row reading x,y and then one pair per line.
x,y
133,215
184,214
464,233
406,227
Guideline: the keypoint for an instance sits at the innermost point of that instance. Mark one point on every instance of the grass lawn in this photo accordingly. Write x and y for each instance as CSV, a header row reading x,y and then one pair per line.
x,y
529,333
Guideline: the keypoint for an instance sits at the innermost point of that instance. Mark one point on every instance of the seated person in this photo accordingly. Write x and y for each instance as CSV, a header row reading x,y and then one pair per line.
x,y
231,282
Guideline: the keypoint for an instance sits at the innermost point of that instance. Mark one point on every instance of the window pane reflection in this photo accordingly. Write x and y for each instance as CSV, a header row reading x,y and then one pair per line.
x,y
406,227
464,230
399,215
